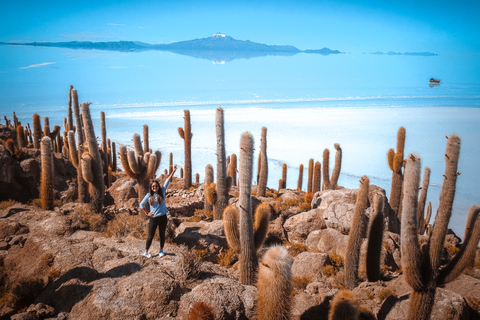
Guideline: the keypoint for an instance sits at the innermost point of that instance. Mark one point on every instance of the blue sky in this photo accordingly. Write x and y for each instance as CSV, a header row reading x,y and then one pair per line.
x,y
350,26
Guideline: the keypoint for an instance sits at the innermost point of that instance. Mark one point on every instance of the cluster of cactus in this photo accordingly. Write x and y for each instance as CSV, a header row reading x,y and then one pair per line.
x,y
282,183
331,183
186,134
243,236
140,164
422,265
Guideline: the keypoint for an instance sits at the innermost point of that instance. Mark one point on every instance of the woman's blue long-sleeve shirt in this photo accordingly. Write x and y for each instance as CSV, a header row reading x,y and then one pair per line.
x,y
157,209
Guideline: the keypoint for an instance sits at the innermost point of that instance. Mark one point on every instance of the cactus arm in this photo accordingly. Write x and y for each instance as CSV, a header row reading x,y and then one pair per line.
x,y
158,153
262,183
464,256
146,146
181,133
356,234
72,147
152,166
78,118
390,157
132,162
262,218
248,258
87,167
230,227
411,253
137,144
422,199
375,237
446,201
222,192
124,161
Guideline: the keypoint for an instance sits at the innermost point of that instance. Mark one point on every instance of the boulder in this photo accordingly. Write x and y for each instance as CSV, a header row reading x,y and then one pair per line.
x,y
201,234
310,265
122,190
300,225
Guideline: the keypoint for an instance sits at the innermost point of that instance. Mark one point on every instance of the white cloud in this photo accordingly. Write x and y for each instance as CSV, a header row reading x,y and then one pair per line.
x,y
37,65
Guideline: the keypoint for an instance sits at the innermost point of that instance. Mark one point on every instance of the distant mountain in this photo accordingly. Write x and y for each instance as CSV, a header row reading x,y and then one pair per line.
x,y
391,53
219,48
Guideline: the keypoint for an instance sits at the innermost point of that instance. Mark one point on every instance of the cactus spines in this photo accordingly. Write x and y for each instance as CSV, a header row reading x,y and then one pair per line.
x,y
96,188
47,181
317,177
326,170
262,182
375,236
356,235
284,176
248,257
37,131
274,285
201,311
310,175
230,227
222,188
232,169
186,135
395,162
300,178
337,167
140,165
21,139
343,306
422,200
208,180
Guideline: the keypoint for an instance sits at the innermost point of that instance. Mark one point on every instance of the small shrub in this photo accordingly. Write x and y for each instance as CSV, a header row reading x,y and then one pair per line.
x,y
269,194
329,271
385,293
301,283
386,245
474,303
227,258
35,203
308,197
125,224
296,248
292,202
195,219
385,268
201,311
95,222
336,259
23,293
451,249
47,259
254,193
7,204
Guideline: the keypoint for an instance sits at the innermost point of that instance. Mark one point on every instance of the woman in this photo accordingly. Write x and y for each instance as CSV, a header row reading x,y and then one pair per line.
x,y
158,212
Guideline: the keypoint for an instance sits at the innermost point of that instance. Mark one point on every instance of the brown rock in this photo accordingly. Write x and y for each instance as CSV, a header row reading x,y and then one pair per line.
x,y
300,225
123,190
310,265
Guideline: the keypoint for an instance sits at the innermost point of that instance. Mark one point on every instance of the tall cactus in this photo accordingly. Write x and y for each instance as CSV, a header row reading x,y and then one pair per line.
x,y
208,180
232,169
186,135
242,235
37,131
140,165
326,170
337,167
395,162
284,176
69,121
81,183
317,177
375,236
356,235
300,178
104,153
262,182
21,138
91,162
47,179
274,285
421,266
222,183
310,175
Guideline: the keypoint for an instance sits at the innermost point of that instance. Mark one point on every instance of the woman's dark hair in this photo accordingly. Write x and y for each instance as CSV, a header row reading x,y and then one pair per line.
x,y
160,195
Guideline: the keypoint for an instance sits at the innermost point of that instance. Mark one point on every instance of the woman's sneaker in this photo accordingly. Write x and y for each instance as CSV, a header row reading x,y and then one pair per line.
x,y
147,255
161,253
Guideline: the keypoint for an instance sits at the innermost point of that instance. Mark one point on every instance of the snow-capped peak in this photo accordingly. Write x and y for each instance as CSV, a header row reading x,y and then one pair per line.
x,y
219,35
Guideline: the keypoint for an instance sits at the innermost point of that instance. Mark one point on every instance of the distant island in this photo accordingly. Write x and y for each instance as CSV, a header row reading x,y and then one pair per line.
x,y
219,48
391,53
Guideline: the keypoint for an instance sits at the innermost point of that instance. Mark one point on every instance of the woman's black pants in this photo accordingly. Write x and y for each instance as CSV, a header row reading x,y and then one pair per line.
x,y
161,223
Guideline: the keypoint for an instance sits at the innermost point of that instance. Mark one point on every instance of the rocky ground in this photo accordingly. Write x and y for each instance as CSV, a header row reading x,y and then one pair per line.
x,y
72,264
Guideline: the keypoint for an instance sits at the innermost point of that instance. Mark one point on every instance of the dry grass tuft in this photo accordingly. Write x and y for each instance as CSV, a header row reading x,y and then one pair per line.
x,y
201,311
47,259
296,248
7,204
22,293
474,303
300,283
451,249
53,274
336,259
227,258
304,206
329,271
96,222
385,293
386,245
308,197
293,202
125,224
